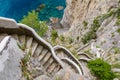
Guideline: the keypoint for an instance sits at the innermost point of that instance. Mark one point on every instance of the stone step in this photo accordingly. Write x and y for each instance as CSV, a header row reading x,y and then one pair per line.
x,y
61,54
84,59
51,68
86,71
54,69
2,36
38,51
42,54
68,65
33,47
49,62
48,55
29,42
58,67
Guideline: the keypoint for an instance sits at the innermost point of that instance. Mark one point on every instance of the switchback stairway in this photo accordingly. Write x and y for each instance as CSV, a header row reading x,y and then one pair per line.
x,y
44,58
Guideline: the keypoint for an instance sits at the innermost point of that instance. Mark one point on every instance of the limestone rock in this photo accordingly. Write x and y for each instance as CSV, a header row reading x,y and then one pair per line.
x,y
78,11
59,7
54,20
10,58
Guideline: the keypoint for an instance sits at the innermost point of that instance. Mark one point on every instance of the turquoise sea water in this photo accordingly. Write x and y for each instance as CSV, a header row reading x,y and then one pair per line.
x,y
18,8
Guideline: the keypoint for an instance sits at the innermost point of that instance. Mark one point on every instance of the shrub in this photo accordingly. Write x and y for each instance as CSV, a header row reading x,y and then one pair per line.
x,y
118,22
89,35
70,40
85,23
33,21
62,38
116,50
54,35
101,69
118,30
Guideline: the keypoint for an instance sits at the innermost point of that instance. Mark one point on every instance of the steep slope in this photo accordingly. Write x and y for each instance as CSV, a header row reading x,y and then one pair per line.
x,y
82,15
94,25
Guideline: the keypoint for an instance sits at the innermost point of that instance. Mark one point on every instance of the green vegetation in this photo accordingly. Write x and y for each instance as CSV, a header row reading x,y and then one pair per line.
x,y
58,78
118,22
117,13
116,65
54,35
118,74
88,36
85,23
112,34
33,21
75,54
24,61
21,46
62,38
118,30
94,27
116,50
101,69
92,33
70,40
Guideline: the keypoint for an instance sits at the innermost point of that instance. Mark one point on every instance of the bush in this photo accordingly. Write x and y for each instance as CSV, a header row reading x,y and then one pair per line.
x,y
118,30
89,35
54,35
33,21
101,69
85,23
70,40
62,38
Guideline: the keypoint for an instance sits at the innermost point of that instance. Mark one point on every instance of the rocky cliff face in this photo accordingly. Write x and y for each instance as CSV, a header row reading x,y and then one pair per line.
x,y
78,11
82,16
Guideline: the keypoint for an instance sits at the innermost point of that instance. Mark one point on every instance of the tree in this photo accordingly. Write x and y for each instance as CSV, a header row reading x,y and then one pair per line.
x,y
33,21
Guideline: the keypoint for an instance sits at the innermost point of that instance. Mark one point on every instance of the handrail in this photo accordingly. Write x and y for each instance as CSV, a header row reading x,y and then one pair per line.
x,y
86,45
85,55
69,53
71,62
65,50
12,24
